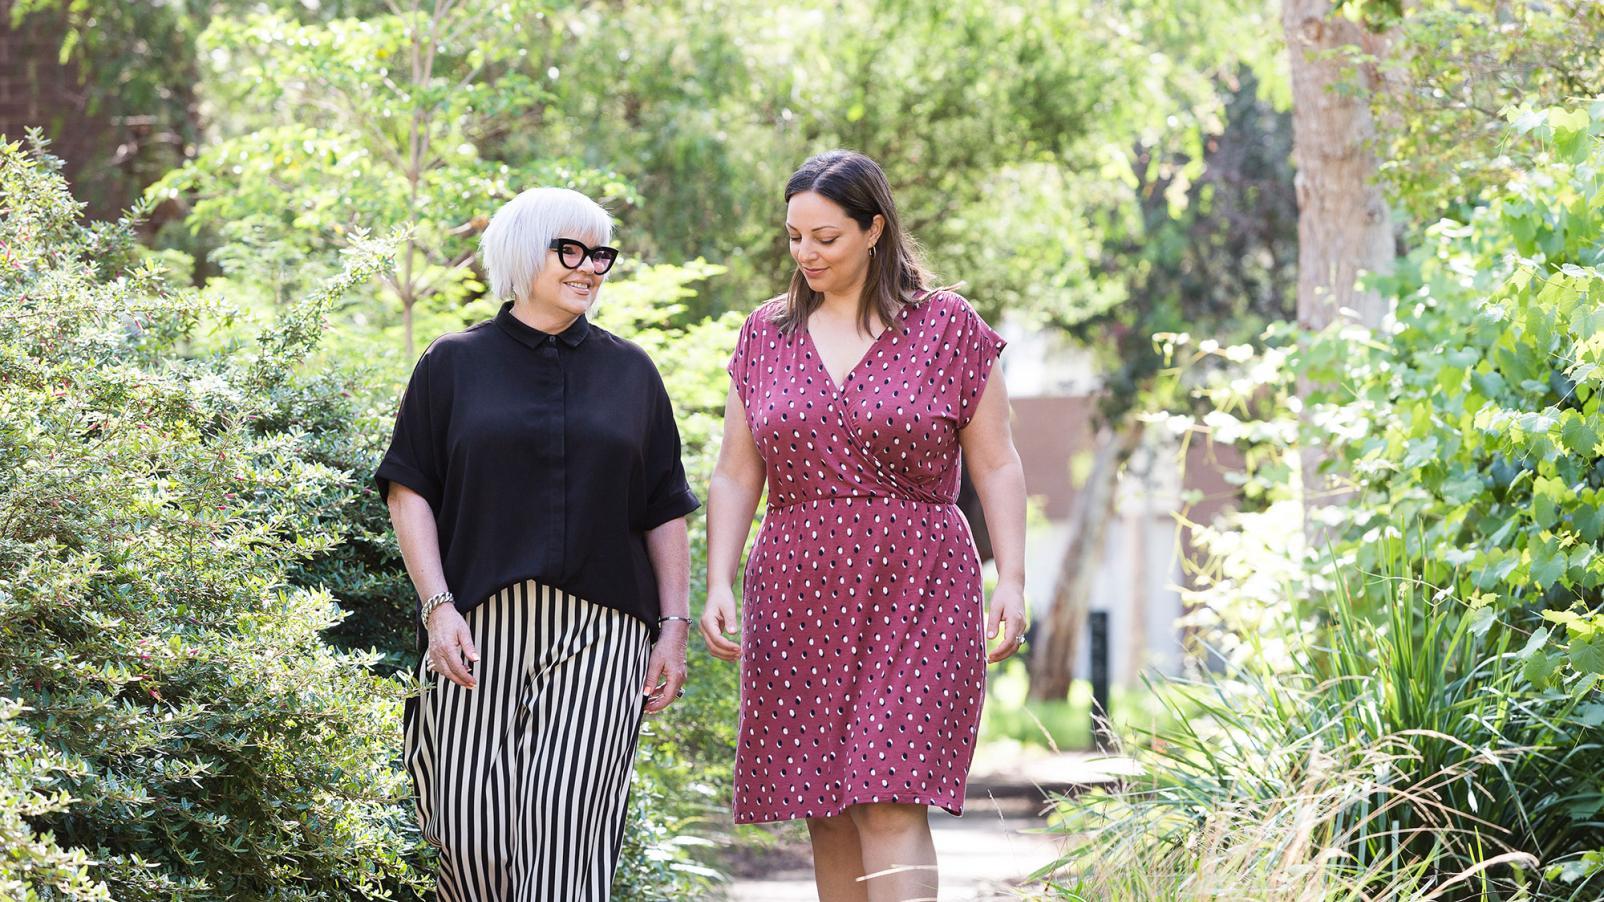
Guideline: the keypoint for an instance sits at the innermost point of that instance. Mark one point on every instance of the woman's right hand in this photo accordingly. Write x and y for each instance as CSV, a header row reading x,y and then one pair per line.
x,y
718,618
451,651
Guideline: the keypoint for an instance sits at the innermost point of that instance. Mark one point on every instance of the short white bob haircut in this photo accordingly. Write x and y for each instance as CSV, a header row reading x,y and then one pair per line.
x,y
514,245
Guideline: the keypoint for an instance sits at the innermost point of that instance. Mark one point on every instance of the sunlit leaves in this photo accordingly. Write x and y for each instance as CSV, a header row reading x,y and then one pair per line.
x,y
330,128
188,730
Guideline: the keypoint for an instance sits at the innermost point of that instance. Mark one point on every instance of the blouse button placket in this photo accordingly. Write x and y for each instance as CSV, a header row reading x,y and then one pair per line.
x,y
550,382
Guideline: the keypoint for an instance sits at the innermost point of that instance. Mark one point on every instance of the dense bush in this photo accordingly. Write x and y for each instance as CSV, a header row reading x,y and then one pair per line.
x,y
189,730
179,533
1474,413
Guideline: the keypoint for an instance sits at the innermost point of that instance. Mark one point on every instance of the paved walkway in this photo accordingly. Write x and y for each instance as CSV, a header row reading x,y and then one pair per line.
x,y
989,852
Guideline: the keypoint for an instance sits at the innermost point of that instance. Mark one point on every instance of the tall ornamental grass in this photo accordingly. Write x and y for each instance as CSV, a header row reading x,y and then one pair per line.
x,y
1403,758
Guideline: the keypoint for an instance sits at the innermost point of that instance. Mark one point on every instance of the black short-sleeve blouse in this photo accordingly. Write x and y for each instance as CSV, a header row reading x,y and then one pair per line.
x,y
544,457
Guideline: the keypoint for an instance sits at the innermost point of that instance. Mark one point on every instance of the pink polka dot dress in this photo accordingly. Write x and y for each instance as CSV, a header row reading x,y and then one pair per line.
x,y
863,652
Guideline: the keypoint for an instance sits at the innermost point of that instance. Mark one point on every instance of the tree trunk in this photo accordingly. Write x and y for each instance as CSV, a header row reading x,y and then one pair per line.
x,y
406,327
1343,225
1052,661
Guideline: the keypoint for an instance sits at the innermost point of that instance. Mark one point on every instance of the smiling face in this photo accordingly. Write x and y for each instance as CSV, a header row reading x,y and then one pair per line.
x,y
570,292
830,249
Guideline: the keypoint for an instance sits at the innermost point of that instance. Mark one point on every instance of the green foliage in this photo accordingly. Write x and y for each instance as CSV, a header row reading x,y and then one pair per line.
x,y
1397,759
1006,128
138,70
1454,70
1473,414
135,87
1024,181
1479,415
1476,410
380,122
31,864
186,727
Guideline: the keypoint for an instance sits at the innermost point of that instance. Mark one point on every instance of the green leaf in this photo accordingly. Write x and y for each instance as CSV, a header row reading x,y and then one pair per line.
x,y
1534,643
1548,566
1538,670
1420,452
1585,807
1572,120
1567,619
1490,383
1482,619
1587,656
1578,436
1499,565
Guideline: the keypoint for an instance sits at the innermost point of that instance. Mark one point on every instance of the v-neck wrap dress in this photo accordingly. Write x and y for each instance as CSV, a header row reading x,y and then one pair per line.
x,y
863,651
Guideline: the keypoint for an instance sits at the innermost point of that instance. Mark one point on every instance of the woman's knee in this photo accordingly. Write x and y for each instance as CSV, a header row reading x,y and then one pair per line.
x,y
888,818
835,825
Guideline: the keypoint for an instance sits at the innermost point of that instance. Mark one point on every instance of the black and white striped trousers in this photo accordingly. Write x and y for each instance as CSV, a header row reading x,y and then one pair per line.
x,y
522,782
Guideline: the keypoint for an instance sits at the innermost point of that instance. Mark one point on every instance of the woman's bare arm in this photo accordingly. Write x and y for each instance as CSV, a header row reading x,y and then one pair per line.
x,y
999,478
451,650
732,499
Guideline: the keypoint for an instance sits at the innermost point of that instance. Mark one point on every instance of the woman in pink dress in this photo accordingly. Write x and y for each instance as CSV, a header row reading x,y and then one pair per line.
x,y
862,659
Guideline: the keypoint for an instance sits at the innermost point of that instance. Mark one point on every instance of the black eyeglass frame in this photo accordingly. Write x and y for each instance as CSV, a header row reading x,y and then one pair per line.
x,y
588,253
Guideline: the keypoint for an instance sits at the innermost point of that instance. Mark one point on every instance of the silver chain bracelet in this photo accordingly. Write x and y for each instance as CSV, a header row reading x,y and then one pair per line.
x,y
435,601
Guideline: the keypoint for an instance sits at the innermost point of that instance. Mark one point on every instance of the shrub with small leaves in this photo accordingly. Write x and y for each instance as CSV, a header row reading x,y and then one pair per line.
x,y
176,727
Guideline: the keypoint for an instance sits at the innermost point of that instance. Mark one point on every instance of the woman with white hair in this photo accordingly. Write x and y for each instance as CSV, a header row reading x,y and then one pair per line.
x,y
535,485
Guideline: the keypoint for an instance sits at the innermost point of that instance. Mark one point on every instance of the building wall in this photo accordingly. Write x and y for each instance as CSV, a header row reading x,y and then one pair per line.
x,y
1049,432
1140,568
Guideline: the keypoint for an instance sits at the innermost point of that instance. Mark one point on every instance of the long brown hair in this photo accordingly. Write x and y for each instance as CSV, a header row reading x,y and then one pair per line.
x,y
896,273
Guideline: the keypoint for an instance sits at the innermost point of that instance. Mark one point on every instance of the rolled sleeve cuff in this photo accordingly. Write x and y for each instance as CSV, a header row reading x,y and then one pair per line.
x,y
389,472
671,508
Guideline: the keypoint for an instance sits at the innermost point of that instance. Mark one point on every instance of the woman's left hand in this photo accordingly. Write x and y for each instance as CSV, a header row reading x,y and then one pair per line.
x,y
1007,606
665,672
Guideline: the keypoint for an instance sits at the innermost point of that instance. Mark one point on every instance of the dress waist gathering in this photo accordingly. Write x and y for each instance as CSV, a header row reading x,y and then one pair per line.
x,y
820,500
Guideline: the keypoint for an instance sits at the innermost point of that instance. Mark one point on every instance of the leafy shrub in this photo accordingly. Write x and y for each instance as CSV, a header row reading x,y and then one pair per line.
x,y
1474,415
188,733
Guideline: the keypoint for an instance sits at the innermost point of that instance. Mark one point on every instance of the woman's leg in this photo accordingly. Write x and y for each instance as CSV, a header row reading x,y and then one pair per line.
x,y
454,753
837,859
581,712
899,857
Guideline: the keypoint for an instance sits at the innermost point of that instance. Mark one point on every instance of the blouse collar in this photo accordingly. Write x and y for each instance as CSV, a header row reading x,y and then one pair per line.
x,y
531,337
